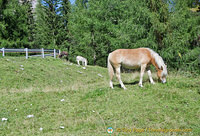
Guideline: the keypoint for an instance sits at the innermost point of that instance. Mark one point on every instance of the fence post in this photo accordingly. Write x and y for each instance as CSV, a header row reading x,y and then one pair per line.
x,y
3,54
54,53
59,52
26,49
42,52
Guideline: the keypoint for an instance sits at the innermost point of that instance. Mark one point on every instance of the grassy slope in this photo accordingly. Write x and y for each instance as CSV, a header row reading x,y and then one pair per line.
x,y
89,106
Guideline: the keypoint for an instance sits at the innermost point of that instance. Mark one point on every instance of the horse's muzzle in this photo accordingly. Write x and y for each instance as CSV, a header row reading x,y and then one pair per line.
x,y
164,82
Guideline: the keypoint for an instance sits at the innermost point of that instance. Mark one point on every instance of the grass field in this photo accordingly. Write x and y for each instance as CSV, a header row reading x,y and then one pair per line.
x,y
65,99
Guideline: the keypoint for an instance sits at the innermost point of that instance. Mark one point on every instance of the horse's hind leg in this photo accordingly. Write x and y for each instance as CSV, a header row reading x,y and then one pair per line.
x,y
150,77
119,78
143,67
111,74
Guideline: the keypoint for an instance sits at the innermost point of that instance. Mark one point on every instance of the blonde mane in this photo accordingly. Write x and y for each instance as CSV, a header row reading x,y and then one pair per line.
x,y
159,61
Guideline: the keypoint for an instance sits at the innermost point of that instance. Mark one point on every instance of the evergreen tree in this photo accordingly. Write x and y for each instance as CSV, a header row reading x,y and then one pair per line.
x,y
99,27
51,23
31,24
103,26
14,26
63,38
181,41
3,4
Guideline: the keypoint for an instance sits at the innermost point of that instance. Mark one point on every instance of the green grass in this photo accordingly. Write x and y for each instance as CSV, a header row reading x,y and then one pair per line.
x,y
89,105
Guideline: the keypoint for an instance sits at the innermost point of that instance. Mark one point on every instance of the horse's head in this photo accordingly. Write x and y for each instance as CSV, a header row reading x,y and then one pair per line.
x,y
162,74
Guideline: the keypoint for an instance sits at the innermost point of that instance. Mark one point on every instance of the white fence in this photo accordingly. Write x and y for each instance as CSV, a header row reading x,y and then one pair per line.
x,y
53,52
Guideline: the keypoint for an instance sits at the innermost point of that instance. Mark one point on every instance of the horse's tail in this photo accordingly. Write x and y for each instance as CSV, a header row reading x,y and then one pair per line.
x,y
110,68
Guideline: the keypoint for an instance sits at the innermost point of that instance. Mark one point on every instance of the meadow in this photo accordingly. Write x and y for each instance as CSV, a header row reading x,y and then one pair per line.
x,y
65,99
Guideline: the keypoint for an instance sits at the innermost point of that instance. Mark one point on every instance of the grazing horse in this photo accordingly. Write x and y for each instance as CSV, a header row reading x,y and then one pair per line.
x,y
82,59
62,54
133,58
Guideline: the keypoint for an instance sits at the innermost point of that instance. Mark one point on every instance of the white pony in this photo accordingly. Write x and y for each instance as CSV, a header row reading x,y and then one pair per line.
x,y
82,59
133,58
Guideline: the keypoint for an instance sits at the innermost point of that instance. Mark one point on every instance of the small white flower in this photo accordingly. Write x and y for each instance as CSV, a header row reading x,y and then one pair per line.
x,y
61,81
93,111
41,129
22,68
31,104
80,72
30,116
62,127
84,67
4,119
100,75
62,100
70,64
16,109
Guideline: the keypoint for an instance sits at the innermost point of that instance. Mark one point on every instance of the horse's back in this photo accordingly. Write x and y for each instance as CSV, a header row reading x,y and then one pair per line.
x,y
80,58
130,57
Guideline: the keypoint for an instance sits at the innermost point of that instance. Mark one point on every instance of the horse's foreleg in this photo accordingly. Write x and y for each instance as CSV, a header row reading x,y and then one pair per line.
x,y
78,62
143,67
150,77
119,78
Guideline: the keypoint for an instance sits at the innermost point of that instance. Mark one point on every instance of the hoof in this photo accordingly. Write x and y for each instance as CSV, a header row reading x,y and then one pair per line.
x,y
125,88
140,85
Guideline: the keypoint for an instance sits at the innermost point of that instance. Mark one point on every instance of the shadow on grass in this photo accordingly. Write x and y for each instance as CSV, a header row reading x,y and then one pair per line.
x,y
125,83
131,83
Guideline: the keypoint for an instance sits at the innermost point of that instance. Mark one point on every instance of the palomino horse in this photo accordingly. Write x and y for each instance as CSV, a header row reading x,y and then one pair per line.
x,y
82,59
133,58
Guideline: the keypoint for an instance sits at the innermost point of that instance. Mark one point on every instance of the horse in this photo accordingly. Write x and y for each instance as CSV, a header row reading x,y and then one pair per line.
x,y
134,58
62,54
82,59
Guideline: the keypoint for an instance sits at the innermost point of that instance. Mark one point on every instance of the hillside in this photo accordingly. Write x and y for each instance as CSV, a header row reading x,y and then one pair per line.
x,y
66,99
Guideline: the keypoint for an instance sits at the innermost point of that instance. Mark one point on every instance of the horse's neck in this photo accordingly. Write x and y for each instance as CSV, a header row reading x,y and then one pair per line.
x,y
153,62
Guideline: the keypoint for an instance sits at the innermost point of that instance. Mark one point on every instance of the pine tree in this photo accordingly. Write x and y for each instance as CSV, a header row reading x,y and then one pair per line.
x,y
63,39
14,28
3,31
51,23
99,27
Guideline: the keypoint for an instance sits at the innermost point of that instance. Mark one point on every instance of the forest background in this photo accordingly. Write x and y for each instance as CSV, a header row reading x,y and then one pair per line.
x,y
94,28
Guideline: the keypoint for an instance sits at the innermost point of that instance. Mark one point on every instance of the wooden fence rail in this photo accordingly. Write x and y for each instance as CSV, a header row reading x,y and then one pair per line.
x,y
53,52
